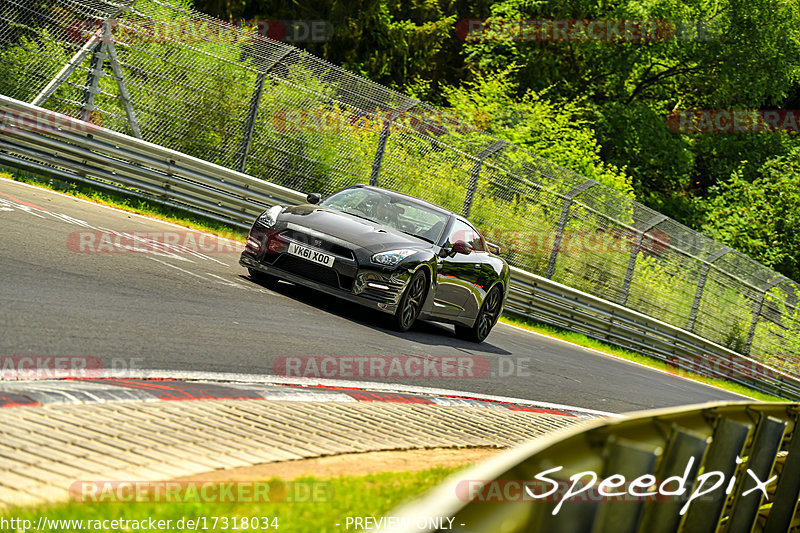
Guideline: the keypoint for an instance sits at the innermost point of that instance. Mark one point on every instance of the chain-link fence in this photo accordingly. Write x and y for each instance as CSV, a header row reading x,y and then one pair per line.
x,y
161,71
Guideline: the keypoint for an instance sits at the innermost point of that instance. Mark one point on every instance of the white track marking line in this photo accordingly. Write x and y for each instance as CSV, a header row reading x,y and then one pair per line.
x,y
219,281
231,283
179,268
129,213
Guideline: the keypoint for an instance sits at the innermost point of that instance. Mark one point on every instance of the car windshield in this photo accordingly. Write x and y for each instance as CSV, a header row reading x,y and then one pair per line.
x,y
395,211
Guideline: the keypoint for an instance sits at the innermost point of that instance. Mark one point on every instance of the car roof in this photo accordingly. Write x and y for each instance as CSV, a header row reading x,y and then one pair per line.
x,y
412,199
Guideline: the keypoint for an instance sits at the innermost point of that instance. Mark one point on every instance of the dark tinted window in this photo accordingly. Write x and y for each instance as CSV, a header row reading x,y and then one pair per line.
x,y
461,231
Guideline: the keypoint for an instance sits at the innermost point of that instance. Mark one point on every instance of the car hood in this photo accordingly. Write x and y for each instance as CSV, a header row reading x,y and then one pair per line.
x,y
360,232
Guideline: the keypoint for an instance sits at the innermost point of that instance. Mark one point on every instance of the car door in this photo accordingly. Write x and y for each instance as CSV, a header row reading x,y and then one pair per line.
x,y
459,274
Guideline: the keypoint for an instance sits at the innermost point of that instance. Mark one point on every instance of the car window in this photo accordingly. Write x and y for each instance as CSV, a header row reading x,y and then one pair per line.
x,y
461,231
395,211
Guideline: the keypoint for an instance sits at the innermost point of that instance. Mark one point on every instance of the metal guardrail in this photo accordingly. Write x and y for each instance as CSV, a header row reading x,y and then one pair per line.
x,y
44,142
102,157
750,453
543,300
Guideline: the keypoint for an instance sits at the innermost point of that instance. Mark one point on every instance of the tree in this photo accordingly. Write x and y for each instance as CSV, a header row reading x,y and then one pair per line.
x,y
409,45
553,131
761,218
722,54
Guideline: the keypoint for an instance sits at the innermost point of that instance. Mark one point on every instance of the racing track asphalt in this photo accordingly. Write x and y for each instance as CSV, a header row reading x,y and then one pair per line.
x,y
201,312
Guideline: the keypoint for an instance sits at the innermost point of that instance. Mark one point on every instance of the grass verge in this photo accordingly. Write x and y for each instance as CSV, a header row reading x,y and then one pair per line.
x,y
190,220
323,504
587,342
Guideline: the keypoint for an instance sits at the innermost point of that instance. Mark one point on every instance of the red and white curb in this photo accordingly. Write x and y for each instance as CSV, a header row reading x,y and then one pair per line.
x,y
153,386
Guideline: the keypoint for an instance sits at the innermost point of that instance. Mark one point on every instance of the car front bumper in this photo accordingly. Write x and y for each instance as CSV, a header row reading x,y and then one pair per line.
x,y
371,288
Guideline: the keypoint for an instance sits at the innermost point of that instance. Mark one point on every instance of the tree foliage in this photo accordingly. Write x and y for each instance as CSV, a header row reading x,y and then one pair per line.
x,y
556,132
760,218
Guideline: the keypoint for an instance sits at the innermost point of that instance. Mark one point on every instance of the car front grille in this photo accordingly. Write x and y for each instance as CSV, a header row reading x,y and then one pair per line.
x,y
314,272
310,240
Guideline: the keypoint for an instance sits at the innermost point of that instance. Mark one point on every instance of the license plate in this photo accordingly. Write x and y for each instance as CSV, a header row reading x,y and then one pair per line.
x,y
312,255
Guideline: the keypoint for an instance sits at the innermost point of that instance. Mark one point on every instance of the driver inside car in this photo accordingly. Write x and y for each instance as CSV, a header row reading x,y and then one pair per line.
x,y
387,214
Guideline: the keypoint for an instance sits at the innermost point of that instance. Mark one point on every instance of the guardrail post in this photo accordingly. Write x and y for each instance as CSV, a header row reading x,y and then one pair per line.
x,y
252,113
637,247
701,283
496,146
757,308
385,131
562,224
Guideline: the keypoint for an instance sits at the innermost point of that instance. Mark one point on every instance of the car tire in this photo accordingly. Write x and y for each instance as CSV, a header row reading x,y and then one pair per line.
x,y
262,277
411,302
486,319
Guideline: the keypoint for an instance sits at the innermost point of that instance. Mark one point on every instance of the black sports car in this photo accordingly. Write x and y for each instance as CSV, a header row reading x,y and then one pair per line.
x,y
387,251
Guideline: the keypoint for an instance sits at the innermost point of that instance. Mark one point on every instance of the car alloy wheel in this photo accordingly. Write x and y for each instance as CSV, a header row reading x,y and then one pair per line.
x,y
411,302
487,318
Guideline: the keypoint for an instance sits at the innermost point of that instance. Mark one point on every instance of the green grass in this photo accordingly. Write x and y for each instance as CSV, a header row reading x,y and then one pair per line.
x,y
193,221
337,498
582,340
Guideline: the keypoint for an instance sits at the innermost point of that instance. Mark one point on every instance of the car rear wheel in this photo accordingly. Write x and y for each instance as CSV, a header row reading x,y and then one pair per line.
x,y
487,318
411,302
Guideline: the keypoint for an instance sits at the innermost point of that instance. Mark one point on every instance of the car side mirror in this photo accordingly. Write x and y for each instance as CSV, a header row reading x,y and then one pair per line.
x,y
314,198
462,247
494,248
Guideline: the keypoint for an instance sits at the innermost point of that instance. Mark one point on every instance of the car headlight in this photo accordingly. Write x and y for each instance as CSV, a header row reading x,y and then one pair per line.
x,y
269,217
392,257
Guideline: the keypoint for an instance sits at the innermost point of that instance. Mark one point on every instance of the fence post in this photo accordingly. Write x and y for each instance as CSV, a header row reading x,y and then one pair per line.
x,y
701,283
75,61
111,54
476,171
99,57
637,247
385,131
252,113
758,306
562,224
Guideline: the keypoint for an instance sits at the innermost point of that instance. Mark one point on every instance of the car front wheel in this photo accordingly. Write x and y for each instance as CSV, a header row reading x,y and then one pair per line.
x,y
487,318
411,302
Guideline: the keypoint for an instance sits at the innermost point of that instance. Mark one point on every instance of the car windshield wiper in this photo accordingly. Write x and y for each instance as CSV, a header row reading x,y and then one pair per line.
x,y
415,235
356,215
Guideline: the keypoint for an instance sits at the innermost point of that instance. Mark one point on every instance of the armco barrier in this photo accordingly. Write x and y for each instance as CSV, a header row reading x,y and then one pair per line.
x,y
44,142
542,300
738,465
